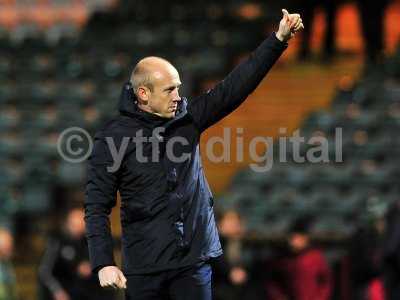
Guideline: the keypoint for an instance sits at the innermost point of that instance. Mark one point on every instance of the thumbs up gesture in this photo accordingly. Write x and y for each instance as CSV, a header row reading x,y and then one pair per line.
x,y
288,26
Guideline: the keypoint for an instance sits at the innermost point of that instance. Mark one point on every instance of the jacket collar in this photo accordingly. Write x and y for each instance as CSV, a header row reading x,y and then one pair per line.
x,y
128,106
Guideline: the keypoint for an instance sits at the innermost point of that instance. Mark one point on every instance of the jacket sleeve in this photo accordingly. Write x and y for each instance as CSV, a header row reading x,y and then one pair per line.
x,y
227,95
47,265
100,198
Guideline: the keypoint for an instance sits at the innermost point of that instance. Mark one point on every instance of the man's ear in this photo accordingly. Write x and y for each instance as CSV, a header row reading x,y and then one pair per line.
x,y
143,94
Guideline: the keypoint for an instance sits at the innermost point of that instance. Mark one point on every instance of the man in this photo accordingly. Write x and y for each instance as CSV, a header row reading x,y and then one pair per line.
x,y
233,272
303,273
372,17
150,154
8,287
309,274
308,8
65,271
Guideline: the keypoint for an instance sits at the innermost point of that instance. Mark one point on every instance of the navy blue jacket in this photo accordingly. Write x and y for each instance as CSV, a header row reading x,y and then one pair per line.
x,y
166,206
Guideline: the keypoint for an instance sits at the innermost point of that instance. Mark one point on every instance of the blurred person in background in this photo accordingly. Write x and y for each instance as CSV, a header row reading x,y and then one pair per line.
x,y
65,271
308,10
372,14
305,273
391,252
310,276
366,257
375,254
8,285
232,271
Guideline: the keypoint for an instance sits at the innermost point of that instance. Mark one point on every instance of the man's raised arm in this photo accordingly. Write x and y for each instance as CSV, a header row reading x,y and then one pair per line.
x,y
227,95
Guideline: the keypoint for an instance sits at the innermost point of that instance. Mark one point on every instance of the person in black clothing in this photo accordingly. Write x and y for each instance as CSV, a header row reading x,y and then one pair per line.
x,y
64,271
372,20
232,272
366,258
307,8
391,252
374,253
150,154
239,273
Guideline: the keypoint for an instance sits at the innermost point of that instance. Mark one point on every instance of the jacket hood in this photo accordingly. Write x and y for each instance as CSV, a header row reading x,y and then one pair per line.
x,y
128,106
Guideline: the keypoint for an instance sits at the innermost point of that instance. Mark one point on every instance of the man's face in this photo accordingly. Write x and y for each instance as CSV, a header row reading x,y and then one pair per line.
x,y
164,98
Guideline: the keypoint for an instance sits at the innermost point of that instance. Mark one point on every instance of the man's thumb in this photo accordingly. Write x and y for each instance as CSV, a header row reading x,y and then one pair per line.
x,y
123,281
285,14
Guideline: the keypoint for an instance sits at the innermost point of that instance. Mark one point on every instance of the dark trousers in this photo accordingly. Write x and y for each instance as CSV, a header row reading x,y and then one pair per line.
x,y
372,21
306,8
189,283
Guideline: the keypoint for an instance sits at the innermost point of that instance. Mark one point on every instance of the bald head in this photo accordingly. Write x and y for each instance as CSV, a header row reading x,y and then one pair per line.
x,y
156,85
148,70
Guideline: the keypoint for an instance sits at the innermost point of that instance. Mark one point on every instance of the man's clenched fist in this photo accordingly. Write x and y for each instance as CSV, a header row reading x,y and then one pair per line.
x,y
288,26
111,276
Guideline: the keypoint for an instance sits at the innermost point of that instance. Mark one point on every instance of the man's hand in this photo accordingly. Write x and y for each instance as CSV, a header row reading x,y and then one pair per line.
x,y
288,26
111,276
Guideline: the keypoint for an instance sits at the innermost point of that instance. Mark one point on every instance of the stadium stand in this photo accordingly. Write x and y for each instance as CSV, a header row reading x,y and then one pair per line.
x,y
338,194
56,72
